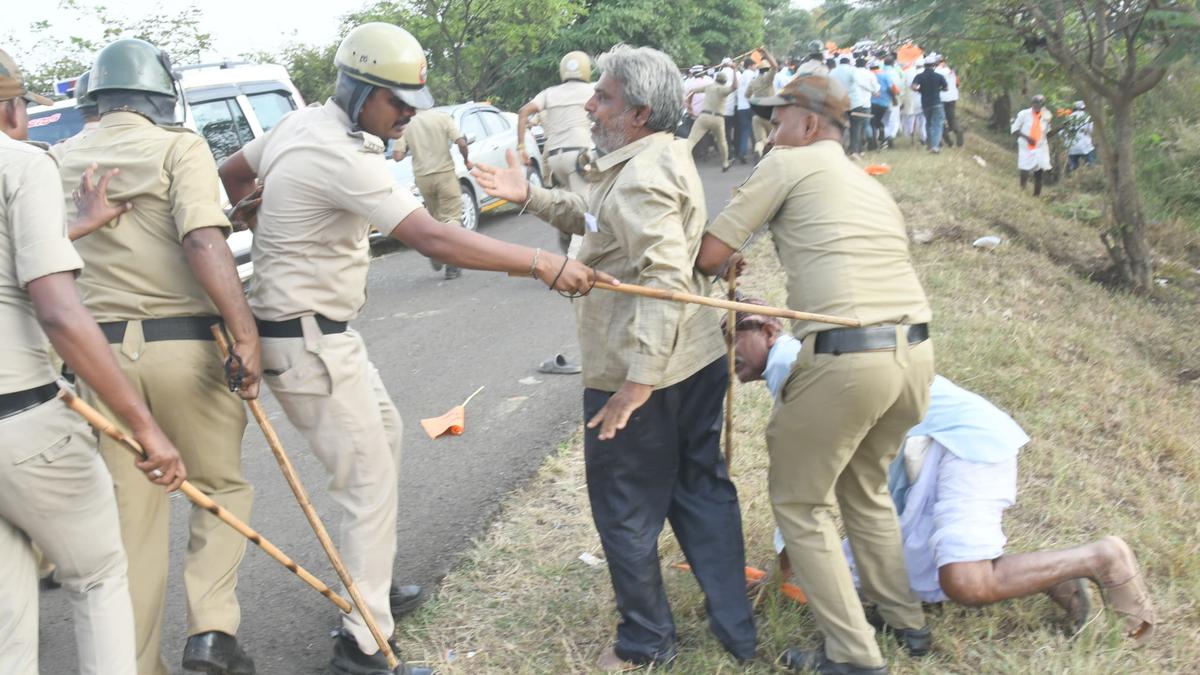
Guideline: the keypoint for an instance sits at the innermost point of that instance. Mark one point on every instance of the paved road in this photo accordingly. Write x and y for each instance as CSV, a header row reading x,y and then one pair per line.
x,y
434,342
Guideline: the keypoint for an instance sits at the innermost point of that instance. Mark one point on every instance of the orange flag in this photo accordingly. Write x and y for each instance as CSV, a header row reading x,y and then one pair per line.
x,y
877,169
451,423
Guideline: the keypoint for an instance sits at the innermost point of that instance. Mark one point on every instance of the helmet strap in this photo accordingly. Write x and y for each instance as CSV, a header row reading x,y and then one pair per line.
x,y
351,95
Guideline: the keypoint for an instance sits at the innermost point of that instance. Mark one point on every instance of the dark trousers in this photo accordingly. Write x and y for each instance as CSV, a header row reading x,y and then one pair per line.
x,y
667,464
859,118
730,125
743,133
952,123
878,120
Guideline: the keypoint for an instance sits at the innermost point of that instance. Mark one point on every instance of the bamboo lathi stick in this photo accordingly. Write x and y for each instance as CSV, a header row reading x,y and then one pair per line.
x,y
310,513
720,303
105,426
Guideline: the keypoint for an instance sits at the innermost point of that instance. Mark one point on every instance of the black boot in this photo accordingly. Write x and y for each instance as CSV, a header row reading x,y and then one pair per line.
x,y
348,659
405,599
216,653
917,641
815,661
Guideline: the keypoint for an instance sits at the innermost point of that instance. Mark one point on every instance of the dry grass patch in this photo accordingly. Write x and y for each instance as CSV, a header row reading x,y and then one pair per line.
x,y
1091,374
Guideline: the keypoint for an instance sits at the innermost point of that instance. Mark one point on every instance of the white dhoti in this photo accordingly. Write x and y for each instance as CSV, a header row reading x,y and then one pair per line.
x,y
1036,158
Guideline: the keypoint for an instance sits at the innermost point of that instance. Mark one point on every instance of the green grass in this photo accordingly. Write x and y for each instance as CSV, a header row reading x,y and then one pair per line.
x,y
1093,374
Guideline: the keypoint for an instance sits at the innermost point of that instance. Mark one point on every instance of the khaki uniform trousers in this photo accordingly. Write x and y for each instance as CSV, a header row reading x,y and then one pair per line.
x,y
563,174
55,492
762,129
334,396
183,382
838,425
443,199
710,124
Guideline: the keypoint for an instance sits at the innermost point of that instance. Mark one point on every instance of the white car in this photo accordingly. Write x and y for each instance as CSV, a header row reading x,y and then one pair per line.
x,y
489,132
228,103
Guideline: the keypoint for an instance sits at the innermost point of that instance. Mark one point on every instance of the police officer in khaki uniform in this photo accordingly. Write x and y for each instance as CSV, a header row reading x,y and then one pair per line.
x,y
157,278
55,491
567,128
761,87
712,119
325,183
853,393
427,138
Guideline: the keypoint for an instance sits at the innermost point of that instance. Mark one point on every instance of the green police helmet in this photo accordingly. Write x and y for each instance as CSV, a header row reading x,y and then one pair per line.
x,y
82,88
132,65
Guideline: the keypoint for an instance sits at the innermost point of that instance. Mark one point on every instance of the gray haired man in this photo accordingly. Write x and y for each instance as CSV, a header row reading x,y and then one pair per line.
x,y
653,371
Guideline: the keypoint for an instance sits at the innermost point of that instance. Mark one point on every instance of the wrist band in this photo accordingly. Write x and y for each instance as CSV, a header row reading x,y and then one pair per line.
x,y
560,271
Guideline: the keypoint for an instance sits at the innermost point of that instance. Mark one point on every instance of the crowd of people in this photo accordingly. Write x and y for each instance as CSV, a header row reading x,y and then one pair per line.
x,y
861,421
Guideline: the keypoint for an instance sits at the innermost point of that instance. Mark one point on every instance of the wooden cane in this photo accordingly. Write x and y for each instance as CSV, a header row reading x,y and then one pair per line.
x,y
104,425
664,294
730,335
314,520
719,303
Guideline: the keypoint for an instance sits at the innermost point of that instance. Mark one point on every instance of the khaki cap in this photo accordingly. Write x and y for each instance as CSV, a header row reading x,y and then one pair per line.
x,y
12,84
818,93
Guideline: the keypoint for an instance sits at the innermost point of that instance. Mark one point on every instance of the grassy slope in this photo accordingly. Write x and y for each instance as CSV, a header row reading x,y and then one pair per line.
x,y
1090,373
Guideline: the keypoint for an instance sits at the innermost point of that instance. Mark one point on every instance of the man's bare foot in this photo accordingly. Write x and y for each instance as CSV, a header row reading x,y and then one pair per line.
x,y
1124,590
1072,596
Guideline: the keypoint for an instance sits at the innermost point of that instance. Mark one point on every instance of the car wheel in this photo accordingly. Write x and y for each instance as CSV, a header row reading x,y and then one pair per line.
x,y
470,207
534,175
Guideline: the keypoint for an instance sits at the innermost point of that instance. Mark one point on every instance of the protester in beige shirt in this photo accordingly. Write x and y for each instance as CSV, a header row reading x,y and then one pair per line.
x,y
652,369
853,392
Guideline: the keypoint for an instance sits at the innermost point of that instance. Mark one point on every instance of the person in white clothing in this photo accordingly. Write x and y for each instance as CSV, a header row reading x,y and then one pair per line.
x,y
912,115
952,481
1081,148
954,134
863,85
1032,128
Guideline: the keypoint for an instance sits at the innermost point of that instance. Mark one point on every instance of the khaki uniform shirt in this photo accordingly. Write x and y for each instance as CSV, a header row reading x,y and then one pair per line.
x,y
763,85
58,149
427,137
136,267
838,233
33,244
324,186
641,224
714,97
564,120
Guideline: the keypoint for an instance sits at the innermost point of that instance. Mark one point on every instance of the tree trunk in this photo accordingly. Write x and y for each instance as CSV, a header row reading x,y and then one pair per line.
x,y
1126,237
1001,113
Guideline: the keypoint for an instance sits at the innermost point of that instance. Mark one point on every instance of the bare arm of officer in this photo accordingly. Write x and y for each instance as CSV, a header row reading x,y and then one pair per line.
x,y
770,58
713,254
464,248
211,261
78,340
237,177
523,123
464,150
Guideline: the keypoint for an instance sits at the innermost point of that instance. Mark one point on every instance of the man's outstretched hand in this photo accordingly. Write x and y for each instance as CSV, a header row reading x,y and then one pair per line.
x,y
91,204
506,183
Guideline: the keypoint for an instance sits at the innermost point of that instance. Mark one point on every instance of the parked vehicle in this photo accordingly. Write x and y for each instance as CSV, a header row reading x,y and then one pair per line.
x,y
490,132
229,103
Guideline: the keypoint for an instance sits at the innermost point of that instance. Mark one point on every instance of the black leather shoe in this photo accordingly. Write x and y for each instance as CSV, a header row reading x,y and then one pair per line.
x,y
917,641
814,660
348,659
405,599
216,653
453,272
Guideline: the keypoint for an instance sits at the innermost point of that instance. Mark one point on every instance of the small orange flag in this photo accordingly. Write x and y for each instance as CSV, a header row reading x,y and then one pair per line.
x,y
794,593
877,169
452,423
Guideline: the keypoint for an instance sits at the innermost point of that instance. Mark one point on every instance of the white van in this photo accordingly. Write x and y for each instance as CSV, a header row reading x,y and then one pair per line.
x,y
229,103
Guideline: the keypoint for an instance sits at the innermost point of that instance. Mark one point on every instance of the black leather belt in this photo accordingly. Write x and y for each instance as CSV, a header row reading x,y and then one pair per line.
x,y
559,151
850,340
291,328
170,328
707,112
20,401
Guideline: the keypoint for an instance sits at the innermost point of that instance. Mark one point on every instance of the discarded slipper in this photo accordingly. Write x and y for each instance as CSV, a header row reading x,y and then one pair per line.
x,y
559,365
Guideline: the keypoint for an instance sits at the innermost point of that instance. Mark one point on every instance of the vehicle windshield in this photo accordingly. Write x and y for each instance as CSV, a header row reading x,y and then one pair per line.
x,y
52,126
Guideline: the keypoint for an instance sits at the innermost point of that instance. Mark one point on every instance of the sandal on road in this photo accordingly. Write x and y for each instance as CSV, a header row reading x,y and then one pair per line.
x,y
1124,591
559,365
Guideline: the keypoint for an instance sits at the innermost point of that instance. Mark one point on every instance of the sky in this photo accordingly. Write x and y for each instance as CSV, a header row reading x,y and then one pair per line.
x,y
237,26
